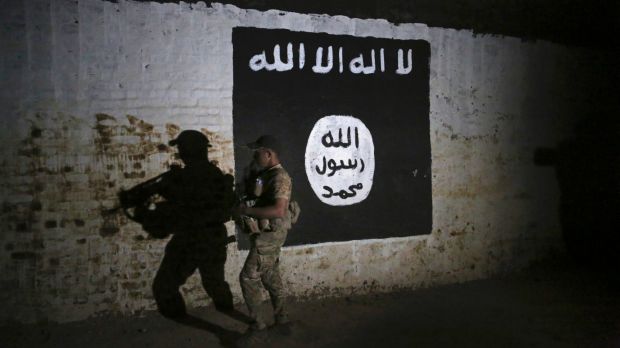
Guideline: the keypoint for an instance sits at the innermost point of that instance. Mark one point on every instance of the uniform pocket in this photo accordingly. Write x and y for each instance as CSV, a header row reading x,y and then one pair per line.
x,y
266,262
251,268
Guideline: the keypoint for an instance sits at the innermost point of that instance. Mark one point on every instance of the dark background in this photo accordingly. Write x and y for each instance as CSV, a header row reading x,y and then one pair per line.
x,y
587,23
395,108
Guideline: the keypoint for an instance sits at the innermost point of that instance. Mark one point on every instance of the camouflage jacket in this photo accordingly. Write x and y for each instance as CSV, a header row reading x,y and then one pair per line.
x,y
276,184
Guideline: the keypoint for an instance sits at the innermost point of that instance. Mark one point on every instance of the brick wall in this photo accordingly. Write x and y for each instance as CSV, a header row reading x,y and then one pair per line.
x,y
92,90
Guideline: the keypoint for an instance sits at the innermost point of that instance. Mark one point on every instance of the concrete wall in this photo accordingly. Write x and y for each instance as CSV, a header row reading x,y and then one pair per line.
x,y
91,89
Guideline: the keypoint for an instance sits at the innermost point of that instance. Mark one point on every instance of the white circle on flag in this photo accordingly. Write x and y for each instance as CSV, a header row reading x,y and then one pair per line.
x,y
340,160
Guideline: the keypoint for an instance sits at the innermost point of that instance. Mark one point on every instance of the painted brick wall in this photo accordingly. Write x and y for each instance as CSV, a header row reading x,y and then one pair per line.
x,y
92,89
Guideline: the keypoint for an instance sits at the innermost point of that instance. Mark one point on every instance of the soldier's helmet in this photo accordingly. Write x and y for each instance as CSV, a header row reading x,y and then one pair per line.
x,y
267,141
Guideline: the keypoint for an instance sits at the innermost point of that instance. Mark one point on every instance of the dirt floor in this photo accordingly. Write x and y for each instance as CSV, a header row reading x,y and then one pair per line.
x,y
548,305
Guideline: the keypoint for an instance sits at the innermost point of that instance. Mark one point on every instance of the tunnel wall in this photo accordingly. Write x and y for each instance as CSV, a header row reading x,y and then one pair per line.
x,y
91,90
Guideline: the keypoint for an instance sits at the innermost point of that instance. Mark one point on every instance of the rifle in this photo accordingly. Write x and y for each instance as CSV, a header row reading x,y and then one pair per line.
x,y
159,218
138,205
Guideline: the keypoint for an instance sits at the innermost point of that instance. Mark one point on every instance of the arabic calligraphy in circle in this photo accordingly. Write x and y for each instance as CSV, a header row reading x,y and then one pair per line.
x,y
339,160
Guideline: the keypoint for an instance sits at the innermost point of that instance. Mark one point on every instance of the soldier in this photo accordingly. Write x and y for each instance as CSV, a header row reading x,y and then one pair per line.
x,y
197,200
261,266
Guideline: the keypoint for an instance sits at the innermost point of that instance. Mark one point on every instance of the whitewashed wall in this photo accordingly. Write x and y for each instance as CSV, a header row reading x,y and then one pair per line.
x,y
91,88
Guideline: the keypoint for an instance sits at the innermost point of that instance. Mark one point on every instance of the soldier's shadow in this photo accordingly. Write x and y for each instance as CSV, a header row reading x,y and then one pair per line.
x,y
228,338
191,204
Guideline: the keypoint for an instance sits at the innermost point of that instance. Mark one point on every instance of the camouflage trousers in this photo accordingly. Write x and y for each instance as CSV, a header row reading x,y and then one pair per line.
x,y
262,271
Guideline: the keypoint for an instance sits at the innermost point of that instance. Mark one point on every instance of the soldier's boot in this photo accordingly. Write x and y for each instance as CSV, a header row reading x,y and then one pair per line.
x,y
255,335
257,326
280,314
283,324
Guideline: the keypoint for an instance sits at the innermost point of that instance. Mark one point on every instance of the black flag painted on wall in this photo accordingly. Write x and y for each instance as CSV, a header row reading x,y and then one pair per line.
x,y
353,116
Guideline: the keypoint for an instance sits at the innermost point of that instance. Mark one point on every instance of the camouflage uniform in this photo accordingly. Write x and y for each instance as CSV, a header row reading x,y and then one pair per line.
x,y
261,266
